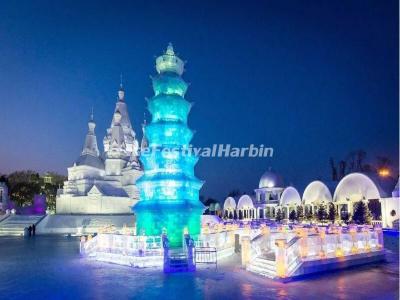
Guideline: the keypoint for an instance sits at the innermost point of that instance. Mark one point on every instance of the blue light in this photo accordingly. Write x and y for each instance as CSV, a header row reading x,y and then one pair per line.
x,y
169,190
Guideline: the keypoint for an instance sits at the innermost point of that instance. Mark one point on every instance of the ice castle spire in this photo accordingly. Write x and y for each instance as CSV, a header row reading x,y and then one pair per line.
x,y
121,92
121,119
90,146
117,133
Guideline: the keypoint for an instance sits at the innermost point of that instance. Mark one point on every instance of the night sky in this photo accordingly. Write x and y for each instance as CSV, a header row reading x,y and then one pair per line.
x,y
312,79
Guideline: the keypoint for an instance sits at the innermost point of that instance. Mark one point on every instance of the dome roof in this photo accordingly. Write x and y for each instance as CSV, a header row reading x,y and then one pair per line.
x,y
245,201
290,196
230,203
316,192
355,187
270,179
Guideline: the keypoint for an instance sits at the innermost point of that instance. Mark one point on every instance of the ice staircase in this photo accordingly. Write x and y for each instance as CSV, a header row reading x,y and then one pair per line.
x,y
4,216
93,224
178,261
264,265
14,225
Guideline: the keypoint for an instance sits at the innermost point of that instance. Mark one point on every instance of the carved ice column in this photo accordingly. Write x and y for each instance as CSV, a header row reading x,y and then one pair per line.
x,y
338,238
379,236
322,237
280,254
245,241
365,232
353,234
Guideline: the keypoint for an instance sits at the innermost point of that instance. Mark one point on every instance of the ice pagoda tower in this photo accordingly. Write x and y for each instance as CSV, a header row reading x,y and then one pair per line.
x,y
169,190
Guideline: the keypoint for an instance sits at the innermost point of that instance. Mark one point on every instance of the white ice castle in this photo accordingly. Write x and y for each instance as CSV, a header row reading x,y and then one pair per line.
x,y
104,183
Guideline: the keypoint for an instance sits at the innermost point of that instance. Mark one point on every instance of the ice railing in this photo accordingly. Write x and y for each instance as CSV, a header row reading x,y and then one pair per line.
x,y
128,245
222,236
265,241
291,246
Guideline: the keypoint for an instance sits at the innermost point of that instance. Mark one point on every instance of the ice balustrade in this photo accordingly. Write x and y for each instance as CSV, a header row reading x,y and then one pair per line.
x,y
292,247
217,236
265,241
222,236
128,245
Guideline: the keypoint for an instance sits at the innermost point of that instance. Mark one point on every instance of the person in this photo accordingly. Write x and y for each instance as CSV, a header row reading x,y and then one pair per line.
x,y
33,229
30,230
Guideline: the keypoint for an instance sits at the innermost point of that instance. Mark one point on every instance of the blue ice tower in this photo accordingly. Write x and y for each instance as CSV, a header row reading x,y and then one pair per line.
x,y
169,189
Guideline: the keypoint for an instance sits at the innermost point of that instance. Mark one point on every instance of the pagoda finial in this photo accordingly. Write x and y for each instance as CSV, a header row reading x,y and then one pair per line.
x,y
121,92
91,115
170,49
169,62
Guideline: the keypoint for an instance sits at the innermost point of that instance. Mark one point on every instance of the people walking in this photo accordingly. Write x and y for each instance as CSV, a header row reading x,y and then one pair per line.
x,y
30,230
33,229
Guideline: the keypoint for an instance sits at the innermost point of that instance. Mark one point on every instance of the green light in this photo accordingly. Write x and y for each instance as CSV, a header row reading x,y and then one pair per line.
x,y
169,190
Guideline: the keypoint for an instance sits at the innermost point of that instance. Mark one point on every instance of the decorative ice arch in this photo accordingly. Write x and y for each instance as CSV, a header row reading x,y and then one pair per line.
x,y
245,202
355,187
315,193
229,204
290,196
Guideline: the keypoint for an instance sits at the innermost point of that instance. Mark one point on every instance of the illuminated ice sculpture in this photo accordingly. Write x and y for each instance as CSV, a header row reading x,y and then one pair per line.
x,y
169,190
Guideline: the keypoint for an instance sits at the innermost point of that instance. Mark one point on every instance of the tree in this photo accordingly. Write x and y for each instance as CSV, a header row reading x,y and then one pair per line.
x,y
23,192
361,215
308,215
3,178
293,215
278,216
50,190
345,216
23,185
321,213
342,169
351,161
300,213
375,208
333,169
360,157
332,213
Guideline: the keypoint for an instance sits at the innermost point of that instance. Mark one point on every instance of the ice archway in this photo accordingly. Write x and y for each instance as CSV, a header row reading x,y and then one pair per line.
x,y
245,207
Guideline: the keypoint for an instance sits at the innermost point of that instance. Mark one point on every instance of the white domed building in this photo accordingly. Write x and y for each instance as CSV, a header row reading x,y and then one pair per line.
x,y
357,187
272,195
314,195
289,201
268,194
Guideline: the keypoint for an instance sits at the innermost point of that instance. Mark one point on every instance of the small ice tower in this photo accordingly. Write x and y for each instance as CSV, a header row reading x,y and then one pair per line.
x,y
169,189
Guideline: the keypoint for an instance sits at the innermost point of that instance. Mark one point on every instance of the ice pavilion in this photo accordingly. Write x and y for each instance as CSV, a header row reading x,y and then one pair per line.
x,y
272,195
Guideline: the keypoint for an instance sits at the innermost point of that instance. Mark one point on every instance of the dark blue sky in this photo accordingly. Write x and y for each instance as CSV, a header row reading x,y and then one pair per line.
x,y
313,79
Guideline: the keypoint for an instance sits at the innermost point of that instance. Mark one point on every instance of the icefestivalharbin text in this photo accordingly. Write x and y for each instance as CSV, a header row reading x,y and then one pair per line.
x,y
216,150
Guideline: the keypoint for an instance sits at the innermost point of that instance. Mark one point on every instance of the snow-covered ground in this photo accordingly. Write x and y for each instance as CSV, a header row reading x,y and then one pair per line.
x,y
50,267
